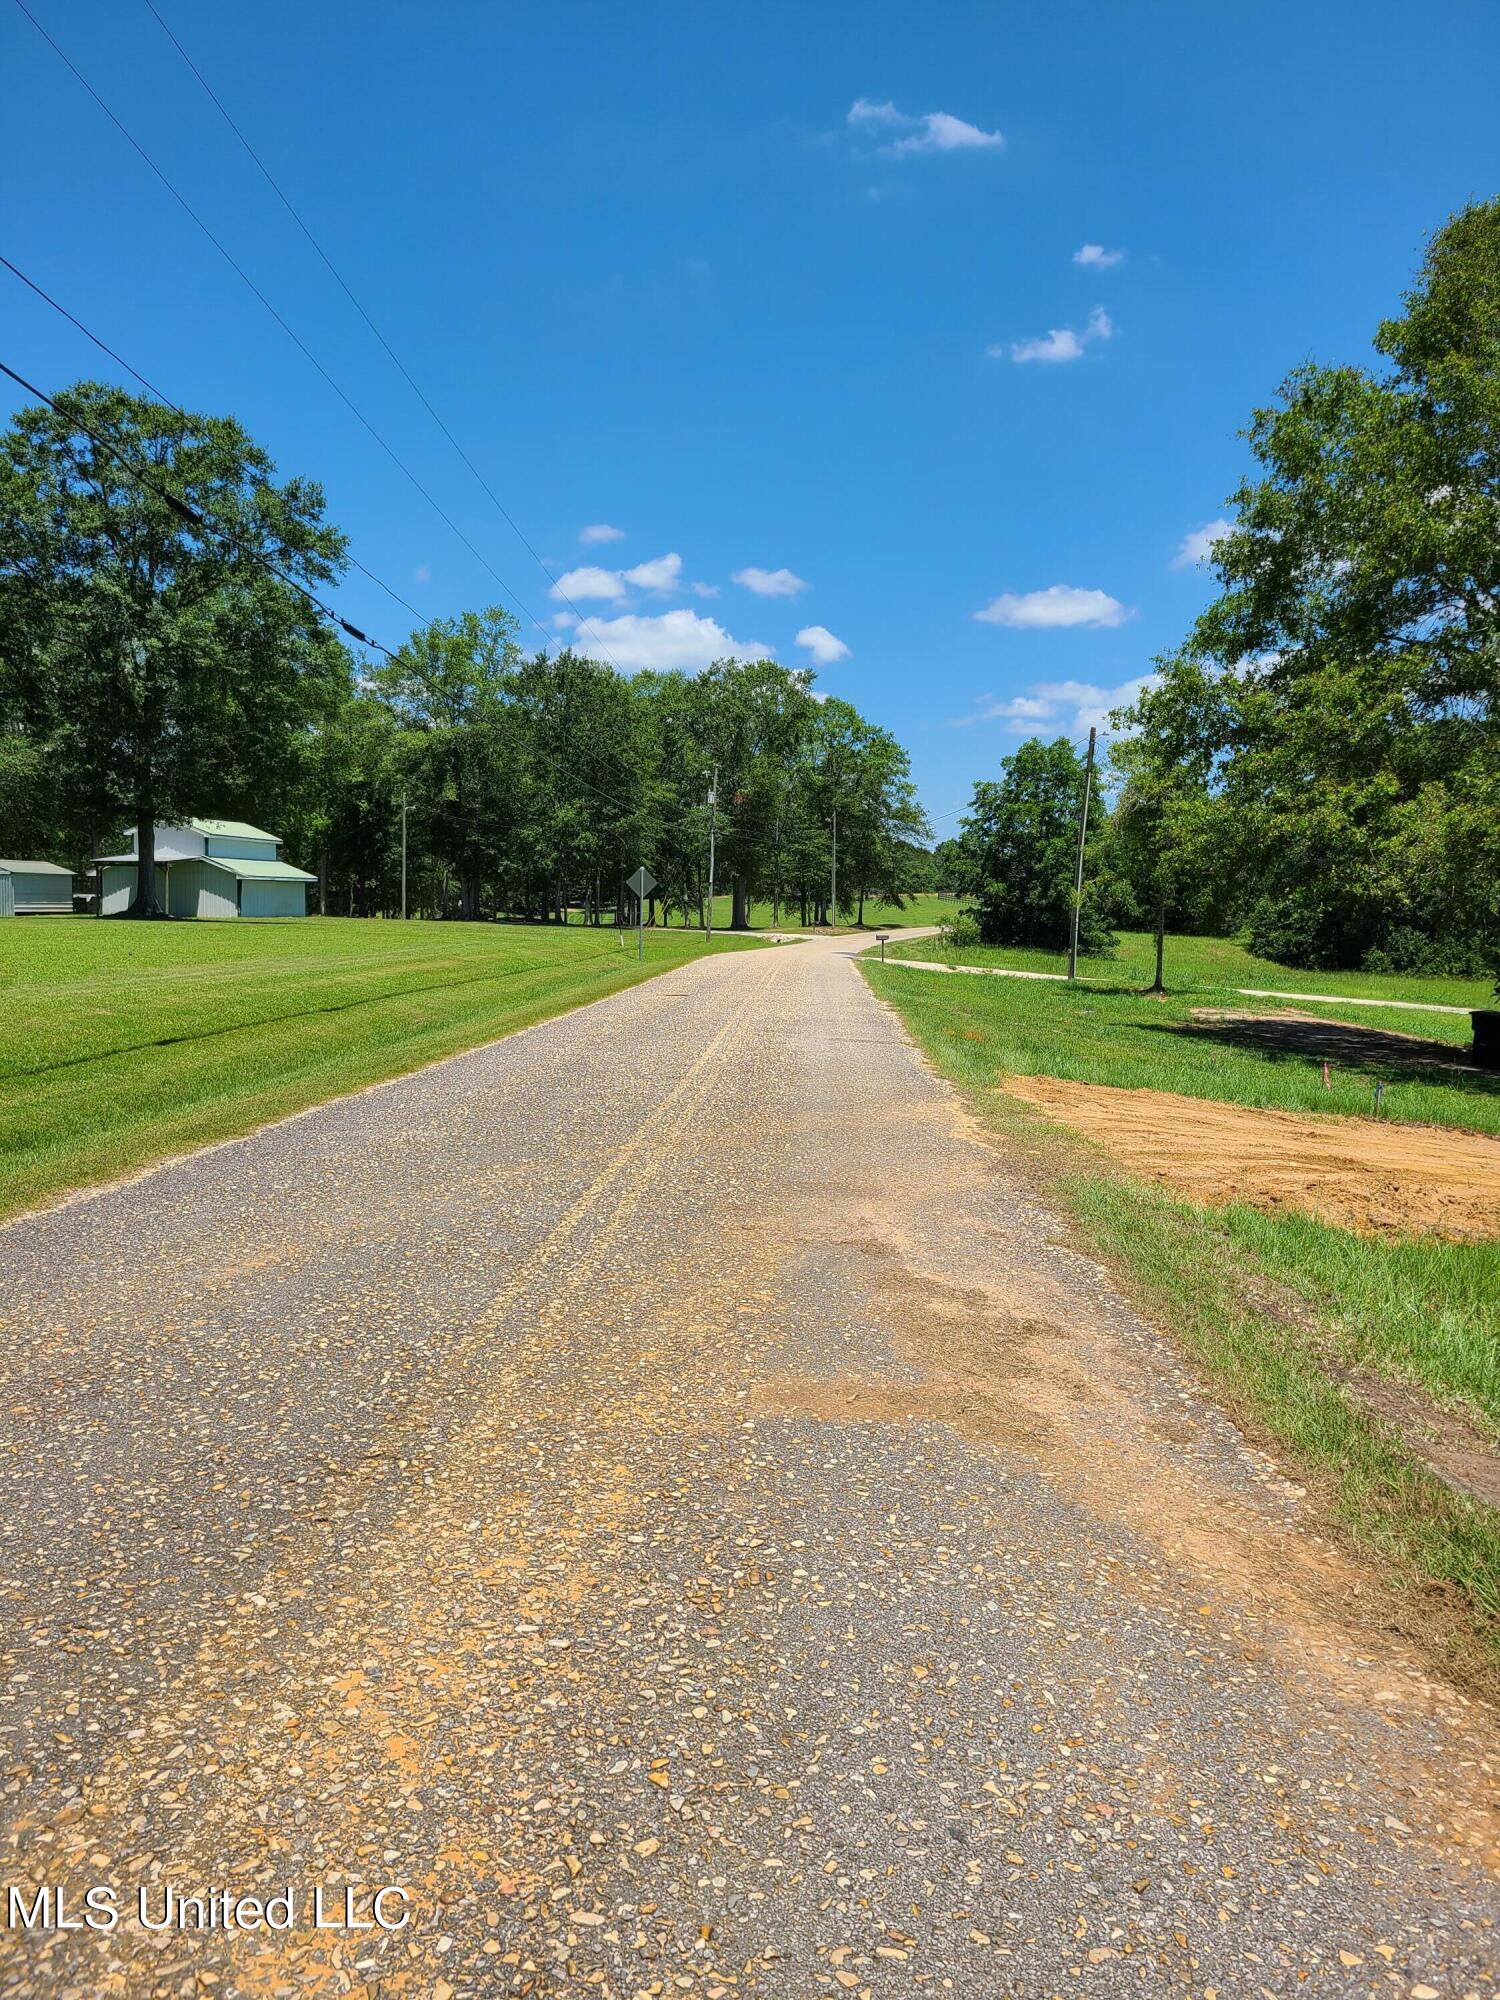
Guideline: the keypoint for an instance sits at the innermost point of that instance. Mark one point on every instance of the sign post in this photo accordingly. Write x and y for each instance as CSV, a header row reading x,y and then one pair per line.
x,y
641,883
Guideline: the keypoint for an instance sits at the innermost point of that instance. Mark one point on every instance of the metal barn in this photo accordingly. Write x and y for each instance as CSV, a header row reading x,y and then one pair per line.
x,y
210,868
35,889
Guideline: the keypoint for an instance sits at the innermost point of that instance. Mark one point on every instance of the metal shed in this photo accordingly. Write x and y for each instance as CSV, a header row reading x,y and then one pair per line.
x,y
35,889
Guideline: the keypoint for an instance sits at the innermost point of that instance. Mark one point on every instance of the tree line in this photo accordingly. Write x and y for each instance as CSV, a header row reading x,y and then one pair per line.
x,y
163,656
1318,766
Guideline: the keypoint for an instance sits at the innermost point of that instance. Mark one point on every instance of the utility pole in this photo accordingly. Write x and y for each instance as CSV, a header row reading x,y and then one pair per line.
x,y
833,905
1083,829
403,857
713,814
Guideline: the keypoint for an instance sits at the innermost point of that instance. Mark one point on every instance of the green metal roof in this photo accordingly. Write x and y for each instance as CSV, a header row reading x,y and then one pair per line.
x,y
34,868
231,829
251,870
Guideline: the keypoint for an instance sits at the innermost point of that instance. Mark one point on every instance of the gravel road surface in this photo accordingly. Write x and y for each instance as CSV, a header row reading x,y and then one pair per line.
x,y
660,1492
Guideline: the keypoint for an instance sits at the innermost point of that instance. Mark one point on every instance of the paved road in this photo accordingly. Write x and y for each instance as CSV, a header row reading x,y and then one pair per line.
x,y
658,1491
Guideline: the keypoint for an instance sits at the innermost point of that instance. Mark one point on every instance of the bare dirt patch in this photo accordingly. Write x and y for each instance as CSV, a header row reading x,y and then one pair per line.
x,y
1358,1173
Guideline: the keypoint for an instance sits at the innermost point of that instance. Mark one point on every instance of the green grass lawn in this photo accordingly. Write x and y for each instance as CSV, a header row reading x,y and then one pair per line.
x,y
1202,964
1119,1035
122,1042
1274,1306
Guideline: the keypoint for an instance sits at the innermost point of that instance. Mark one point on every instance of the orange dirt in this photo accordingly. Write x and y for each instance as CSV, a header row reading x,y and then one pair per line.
x,y
1359,1173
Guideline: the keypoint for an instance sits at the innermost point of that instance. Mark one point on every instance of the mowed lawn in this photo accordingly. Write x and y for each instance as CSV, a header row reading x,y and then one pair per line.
x,y
1117,1034
1278,1307
1203,964
123,1042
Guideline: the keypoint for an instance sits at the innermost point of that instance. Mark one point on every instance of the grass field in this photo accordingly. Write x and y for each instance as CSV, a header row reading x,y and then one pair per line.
x,y
1277,1307
1196,964
1119,1035
122,1042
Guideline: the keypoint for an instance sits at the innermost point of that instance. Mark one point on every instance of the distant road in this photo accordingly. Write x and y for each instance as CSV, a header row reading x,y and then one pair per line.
x,y
657,1491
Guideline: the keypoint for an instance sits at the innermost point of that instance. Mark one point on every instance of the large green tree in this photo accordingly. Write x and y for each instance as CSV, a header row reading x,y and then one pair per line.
x,y
1019,848
160,664
1345,681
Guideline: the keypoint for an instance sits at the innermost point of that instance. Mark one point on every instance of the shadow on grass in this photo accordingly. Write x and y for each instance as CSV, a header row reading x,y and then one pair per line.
x,y
1380,1054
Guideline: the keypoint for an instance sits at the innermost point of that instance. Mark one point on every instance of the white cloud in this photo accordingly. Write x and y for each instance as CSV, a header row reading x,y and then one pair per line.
x,y
863,112
422,573
1055,608
941,133
932,132
1061,343
1060,708
589,582
1198,545
1094,257
704,589
661,573
601,531
770,582
823,646
674,639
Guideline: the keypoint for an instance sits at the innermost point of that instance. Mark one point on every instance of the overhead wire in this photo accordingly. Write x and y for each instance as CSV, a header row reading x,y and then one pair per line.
x,y
191,514
344,286
170,402
185,511
287,328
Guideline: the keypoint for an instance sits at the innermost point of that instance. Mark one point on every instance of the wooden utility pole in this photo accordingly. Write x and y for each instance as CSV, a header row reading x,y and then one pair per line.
x,y
403,857
833,902
1083,831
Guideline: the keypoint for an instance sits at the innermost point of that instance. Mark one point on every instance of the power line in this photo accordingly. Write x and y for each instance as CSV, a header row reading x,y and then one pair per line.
x,y
190,514
286,327
171,403
416,388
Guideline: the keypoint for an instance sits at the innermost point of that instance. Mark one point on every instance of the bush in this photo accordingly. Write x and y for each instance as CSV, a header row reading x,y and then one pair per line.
x,y
960,932
1302,929
1406,949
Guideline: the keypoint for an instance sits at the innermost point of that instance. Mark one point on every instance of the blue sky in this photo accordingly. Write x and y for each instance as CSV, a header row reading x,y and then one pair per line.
x,y
791,297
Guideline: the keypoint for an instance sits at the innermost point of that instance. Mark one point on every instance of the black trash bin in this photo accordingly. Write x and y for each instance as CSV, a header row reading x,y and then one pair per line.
x,y
1486,1036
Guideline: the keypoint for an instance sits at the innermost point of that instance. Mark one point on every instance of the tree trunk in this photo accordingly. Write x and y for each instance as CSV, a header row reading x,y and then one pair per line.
x,y
323,883
861,918
1161,942
145,903
740,917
